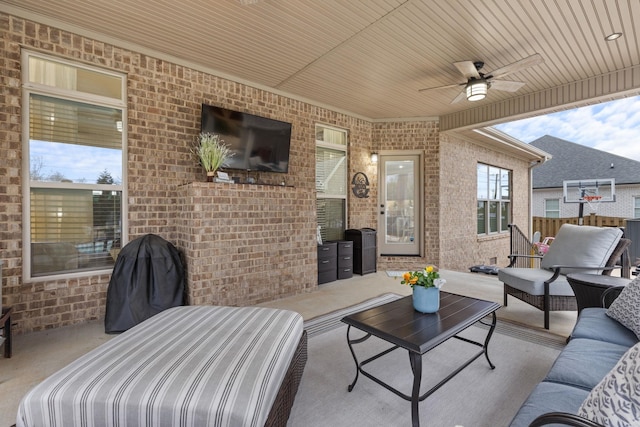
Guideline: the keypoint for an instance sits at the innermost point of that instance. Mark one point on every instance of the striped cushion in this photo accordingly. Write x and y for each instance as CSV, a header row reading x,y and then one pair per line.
x,y
186,366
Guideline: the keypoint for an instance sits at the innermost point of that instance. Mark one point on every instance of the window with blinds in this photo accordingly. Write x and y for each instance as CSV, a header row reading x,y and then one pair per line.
x,y
331,181
74,141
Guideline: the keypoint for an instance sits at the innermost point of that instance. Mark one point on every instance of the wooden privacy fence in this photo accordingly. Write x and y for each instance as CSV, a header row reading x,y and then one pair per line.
x,y
548,227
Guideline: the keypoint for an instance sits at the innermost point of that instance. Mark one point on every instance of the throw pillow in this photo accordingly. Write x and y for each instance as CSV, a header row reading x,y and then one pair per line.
x,y
616,399
626,308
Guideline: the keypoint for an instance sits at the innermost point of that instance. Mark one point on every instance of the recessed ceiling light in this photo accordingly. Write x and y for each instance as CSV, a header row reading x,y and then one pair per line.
x,y
612,37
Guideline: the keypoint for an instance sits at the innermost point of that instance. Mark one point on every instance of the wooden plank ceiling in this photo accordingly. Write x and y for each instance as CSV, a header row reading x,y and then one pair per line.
x,y
368,57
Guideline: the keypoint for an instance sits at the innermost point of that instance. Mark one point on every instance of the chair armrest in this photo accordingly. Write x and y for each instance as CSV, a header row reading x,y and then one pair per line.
x,y
582,267
563,418
557,269
514,257
524,256
609,295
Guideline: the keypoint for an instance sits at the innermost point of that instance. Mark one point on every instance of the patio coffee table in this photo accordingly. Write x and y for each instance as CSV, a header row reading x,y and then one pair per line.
x,y
399,324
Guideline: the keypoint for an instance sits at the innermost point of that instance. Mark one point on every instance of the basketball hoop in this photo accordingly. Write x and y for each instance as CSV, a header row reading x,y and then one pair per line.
x,y
593,201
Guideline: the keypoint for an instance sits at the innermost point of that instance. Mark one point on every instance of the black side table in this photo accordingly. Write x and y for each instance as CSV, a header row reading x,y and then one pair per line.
x,y
5,324
588,288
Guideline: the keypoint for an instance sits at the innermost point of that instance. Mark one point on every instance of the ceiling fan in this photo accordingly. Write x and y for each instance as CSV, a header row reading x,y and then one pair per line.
x,y
477,84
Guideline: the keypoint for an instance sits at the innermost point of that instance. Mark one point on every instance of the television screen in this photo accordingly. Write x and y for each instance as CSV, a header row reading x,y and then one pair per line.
x,y
257,143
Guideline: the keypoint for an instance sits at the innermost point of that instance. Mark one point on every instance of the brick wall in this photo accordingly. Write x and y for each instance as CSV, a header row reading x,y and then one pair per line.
x,y
164,103
246,244
460,245
163,181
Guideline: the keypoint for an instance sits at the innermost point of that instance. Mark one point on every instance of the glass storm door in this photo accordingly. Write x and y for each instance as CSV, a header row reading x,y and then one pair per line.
x,y
399,207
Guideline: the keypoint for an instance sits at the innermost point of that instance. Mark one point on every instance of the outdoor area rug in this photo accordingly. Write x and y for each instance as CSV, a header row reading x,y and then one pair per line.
x,y
477,396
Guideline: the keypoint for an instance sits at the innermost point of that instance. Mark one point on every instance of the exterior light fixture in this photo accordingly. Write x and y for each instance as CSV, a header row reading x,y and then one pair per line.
x,y
476,89
612,37
374,157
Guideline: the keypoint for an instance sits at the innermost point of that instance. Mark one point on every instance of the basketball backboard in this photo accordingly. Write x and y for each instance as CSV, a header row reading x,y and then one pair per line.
x,y
583,190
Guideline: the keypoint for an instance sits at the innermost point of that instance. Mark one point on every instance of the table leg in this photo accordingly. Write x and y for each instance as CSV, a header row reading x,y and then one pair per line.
x,y
355,359
416,367
486,341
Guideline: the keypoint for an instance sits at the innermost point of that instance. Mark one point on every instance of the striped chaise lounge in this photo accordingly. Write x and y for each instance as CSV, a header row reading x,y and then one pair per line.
x,y
186,366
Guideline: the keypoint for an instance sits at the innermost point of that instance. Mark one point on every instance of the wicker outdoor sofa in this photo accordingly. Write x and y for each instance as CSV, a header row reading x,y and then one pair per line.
x,y
191,366
594,380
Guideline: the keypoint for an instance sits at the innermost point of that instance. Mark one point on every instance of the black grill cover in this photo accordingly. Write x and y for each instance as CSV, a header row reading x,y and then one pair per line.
x,y
148,277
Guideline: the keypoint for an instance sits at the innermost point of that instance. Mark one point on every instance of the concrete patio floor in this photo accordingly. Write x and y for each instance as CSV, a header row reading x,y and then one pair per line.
x,y
37,355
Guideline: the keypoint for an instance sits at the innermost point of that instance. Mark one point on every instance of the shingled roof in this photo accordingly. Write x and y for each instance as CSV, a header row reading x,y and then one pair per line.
x,y
574,161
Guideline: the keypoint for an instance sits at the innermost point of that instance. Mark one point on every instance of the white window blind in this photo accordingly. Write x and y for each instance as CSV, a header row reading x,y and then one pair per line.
x,y
331,181
331,171
69,122
331,214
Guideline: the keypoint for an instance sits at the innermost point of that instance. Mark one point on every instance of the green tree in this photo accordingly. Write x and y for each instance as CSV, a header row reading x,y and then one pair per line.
x,y
105,178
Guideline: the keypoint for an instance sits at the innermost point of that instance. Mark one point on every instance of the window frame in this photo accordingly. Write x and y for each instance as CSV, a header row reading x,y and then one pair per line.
x,y
546,210
31,88
636,206
321,143
498,202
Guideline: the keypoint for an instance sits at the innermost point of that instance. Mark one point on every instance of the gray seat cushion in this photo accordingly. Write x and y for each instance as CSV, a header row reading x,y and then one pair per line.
x,y
531,281
594,323
549,397
584,362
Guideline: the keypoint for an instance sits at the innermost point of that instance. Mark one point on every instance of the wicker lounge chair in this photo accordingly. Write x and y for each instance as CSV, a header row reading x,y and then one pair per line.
x,y
576,249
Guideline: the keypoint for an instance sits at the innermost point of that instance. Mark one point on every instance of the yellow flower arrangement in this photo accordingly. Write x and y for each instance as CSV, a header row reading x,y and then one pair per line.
x,y
428,278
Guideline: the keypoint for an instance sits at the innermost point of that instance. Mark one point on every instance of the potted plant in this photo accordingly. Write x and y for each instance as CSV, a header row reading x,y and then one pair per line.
x,y
426,286
212,153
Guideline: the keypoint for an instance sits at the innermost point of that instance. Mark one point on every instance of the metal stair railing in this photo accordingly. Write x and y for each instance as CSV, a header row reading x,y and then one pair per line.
x,y
521,245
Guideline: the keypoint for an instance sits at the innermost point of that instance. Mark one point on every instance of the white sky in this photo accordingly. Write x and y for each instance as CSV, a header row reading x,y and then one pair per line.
x,y
613,127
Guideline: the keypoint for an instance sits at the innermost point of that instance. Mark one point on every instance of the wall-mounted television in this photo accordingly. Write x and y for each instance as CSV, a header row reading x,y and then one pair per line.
x,y
257,143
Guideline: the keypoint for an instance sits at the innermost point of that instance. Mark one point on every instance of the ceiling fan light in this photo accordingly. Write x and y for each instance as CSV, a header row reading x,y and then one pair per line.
x,y
476,90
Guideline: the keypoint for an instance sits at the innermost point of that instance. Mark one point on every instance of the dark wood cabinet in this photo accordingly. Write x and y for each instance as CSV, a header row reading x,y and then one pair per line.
x,y
327,262
345,260
364,250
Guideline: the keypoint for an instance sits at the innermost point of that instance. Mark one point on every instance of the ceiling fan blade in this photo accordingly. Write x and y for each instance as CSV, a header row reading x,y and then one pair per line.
x,y
506,85
468,69
462,95
440,87
514,67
